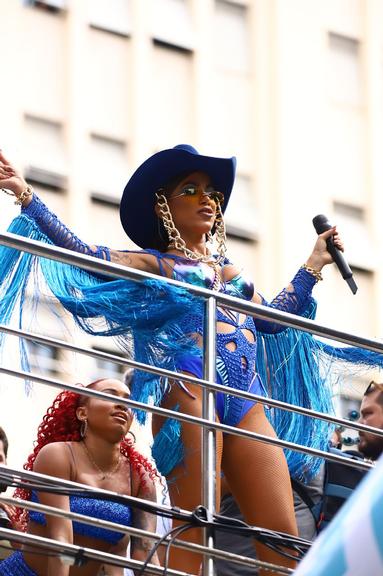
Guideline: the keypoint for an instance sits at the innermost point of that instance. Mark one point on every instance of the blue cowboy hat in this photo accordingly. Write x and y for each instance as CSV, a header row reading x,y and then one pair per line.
x,y
137,213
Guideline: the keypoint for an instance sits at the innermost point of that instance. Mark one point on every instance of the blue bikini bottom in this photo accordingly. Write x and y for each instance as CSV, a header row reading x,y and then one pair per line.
x,y
168,450
15,565
230,409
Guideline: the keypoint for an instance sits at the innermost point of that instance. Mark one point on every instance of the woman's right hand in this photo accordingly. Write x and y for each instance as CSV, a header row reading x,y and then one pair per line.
x,y
11,179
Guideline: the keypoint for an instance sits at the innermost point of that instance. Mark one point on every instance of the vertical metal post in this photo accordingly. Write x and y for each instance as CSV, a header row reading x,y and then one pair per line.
x,y
208,435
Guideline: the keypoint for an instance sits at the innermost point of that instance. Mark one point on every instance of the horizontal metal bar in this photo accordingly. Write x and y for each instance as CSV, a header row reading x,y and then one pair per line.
x,y
93,264
189,418
27,475
267,401
70,551
197,548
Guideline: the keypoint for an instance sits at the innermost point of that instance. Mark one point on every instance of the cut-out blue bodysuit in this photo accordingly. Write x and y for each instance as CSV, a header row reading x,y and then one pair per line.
x,y
236,333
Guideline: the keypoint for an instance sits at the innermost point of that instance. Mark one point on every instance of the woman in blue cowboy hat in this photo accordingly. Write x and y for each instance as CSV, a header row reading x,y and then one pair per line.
x,y
171,207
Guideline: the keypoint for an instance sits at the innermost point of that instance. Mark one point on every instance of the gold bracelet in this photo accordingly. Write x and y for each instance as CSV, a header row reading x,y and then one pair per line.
x,y
24,194
317,275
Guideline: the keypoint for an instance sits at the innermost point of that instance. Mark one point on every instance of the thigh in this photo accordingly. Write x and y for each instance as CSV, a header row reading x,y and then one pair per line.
x,y
185,480
262,485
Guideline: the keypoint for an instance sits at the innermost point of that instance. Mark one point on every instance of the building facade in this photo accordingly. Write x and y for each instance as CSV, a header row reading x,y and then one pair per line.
x,y
293,88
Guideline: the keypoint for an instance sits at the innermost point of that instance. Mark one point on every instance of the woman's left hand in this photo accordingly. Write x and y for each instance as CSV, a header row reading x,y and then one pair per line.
x,y
320,255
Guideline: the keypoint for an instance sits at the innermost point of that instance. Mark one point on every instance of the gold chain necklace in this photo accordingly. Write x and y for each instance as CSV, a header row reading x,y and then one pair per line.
x,y
215,285
212,262
175,240
104,475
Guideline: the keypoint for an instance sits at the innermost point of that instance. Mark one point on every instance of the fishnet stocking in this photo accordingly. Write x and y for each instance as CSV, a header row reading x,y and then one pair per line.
x,y
262,487
256,473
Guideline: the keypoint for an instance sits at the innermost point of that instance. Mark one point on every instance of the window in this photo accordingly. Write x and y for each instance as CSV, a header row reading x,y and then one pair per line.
x,y
345,70
172,97
347,155
45,152
43,358
352,222
231,37
108,168
241,213
111,15
106,368
108,80
347,149
172,22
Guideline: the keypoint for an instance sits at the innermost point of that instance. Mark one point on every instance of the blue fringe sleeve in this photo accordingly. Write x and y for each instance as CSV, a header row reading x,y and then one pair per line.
x,y
295,300
301,369
145,317
58,233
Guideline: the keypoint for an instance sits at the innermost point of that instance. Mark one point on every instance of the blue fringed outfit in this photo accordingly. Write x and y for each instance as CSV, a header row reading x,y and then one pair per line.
x,y
158,319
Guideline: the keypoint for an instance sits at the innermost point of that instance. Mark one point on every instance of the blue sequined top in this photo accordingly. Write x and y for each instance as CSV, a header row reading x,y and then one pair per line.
x,y
97,508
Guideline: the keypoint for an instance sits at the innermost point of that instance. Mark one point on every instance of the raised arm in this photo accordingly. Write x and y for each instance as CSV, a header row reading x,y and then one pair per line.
x,y
297,296
13,183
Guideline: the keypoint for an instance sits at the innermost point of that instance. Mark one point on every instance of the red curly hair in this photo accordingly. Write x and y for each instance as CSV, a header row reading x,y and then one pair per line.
x,y
60,424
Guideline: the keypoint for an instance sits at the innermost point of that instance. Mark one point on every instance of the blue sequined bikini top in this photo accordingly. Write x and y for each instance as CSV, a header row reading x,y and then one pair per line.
x,y
200,274
100,509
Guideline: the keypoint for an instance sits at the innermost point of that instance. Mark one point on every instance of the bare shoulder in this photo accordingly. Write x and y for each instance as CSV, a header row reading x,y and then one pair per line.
x,y
52,459
140,260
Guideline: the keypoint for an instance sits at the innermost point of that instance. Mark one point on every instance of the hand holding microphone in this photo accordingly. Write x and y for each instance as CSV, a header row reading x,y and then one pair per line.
x,y
321,224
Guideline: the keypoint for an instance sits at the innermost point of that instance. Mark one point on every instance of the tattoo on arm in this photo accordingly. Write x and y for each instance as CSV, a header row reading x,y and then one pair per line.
x,y
122,258
144,521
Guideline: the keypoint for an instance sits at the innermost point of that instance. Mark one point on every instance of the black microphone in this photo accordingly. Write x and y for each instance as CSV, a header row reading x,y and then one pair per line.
x,y
321,224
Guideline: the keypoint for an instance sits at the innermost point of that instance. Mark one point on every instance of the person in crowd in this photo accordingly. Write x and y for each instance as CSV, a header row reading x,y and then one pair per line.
x,y
85,439
5,510
371,414
3,446
172,208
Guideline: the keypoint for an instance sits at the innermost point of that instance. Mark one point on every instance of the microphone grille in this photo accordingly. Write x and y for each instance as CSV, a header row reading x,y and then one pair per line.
x,y
321,223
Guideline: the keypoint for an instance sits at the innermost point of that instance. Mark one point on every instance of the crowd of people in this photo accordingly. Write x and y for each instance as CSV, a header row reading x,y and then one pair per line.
x,y
172,208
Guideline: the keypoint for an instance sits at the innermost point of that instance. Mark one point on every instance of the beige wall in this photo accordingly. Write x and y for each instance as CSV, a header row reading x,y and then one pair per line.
x,y
293,88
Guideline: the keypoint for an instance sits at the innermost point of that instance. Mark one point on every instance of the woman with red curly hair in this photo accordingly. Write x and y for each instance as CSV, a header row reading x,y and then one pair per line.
x,y
83,439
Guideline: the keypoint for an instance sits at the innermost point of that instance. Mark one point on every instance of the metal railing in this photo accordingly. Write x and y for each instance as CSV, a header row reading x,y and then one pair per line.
x,y
208,420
